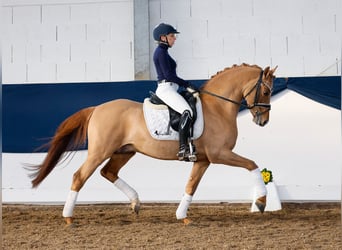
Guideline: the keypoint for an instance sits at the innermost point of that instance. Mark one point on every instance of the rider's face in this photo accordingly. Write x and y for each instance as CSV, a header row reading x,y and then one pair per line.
x,y
170,39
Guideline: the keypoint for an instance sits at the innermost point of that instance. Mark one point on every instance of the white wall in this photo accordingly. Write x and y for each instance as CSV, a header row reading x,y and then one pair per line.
x,y
301,146
67,41
303,37
95,40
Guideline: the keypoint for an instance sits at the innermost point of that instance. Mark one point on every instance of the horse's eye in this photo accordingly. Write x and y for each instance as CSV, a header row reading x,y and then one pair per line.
x,y
266,93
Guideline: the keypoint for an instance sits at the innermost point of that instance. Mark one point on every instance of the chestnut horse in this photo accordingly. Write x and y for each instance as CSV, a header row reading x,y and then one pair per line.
x,y
116,130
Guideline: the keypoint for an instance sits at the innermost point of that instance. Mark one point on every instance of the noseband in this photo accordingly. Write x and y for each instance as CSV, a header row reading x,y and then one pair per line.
x,y
257,94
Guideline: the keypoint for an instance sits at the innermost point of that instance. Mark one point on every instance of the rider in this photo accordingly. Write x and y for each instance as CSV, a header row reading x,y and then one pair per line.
x,y
168,84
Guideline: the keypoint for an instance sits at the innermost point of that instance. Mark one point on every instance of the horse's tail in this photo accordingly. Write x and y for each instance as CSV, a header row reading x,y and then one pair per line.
x,y
70,135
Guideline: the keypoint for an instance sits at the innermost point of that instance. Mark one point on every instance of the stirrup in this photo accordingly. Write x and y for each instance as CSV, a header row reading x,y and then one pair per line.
x,y
186,156
192,157
192,152
182,154
187,153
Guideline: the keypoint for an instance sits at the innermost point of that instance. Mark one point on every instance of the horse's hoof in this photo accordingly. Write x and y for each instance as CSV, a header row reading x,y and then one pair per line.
x,y
71,225
261,203
135,205
69,222
187,222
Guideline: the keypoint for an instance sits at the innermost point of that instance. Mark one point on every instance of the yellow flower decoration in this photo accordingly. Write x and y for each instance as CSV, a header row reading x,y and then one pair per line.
x,y
267,175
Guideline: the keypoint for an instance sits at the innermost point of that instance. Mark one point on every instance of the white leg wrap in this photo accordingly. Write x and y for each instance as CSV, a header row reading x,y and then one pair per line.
x,y
260,187
70,204
183,206
126,189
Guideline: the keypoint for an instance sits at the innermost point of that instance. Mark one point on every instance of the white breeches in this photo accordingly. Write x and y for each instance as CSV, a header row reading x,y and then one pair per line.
x,y
167,91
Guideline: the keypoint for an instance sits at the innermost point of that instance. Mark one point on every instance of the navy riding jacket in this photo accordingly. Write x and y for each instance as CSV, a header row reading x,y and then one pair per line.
x,y
166,66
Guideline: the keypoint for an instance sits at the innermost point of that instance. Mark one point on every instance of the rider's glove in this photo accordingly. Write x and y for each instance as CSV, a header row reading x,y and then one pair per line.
x,y
193,90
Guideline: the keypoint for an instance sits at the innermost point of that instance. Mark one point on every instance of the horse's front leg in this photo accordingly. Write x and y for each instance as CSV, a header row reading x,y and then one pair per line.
x,y
197,172
228,157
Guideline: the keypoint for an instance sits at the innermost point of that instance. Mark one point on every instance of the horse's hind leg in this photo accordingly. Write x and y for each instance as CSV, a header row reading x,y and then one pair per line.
x,y
79,178
110,172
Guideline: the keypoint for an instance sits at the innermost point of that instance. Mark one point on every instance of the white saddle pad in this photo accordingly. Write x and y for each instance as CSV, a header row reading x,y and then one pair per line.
x,y
157,119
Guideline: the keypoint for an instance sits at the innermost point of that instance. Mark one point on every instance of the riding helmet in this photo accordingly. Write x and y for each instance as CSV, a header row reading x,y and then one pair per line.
x,y
163,29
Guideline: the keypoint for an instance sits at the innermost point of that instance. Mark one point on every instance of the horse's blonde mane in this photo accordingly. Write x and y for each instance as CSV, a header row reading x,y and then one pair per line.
x,y
235,66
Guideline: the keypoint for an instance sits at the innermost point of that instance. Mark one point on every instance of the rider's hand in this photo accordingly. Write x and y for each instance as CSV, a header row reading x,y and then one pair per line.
x,y
193,90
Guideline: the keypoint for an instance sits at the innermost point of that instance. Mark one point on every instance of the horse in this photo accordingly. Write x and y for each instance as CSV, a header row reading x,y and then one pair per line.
x,y
116,130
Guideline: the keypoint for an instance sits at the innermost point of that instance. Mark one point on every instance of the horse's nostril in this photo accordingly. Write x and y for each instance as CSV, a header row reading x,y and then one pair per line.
x,y
264,123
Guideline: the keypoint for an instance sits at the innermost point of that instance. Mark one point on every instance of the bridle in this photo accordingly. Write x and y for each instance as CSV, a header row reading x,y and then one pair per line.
x,y
257,94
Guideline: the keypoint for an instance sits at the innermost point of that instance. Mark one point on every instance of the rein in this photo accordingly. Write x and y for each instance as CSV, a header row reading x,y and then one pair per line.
x,y
255,104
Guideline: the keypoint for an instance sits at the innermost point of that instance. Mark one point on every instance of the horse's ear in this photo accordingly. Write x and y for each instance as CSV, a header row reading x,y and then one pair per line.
x,y
273,70
266,71
269,72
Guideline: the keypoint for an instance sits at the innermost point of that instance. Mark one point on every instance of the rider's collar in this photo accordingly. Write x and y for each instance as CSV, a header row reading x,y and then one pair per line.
x,y
164,45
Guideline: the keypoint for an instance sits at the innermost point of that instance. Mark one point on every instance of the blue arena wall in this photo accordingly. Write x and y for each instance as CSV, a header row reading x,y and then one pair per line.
x,y
32,112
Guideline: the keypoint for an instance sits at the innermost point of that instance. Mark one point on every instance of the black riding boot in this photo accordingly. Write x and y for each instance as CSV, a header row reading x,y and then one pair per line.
x,y
184,135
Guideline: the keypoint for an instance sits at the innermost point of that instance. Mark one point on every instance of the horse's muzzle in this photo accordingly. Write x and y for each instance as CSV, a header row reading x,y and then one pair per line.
x,y
260,118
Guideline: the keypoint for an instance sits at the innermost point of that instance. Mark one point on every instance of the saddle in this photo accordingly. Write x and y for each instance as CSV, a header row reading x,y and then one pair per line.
x,y
174,115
